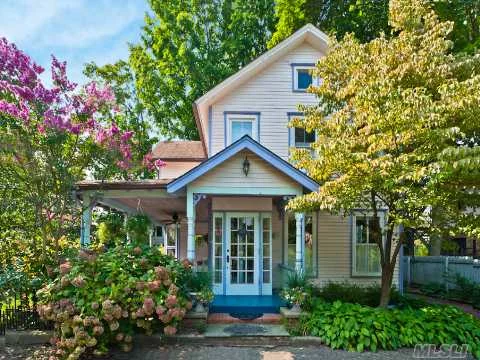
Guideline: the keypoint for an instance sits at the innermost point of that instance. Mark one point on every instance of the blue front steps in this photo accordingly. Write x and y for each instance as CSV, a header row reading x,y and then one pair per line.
x,y
246,304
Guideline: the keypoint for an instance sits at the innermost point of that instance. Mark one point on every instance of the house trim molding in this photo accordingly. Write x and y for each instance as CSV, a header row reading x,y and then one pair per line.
x,y
246,142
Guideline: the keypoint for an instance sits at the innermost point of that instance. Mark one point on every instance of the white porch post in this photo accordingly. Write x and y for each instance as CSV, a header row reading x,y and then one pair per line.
x,y
86,221
299,217
190,227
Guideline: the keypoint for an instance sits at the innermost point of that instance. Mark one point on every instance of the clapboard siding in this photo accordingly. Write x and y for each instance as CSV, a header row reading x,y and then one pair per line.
x,y
230,174
334,252
269,93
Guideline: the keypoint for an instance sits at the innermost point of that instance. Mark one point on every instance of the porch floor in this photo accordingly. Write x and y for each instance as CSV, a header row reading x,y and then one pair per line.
x,y
246,304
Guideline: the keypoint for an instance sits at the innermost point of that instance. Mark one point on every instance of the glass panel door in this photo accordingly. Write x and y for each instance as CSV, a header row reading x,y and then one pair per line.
x,y
242,254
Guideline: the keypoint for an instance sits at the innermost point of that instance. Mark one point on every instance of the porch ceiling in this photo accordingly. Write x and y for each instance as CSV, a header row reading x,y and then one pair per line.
x,y
158,209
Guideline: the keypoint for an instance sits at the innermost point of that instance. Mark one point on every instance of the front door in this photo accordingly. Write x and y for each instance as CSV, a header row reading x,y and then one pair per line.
x,y
241,254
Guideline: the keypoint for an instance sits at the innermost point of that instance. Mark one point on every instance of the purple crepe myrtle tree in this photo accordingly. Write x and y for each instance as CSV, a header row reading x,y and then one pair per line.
x,y
50,138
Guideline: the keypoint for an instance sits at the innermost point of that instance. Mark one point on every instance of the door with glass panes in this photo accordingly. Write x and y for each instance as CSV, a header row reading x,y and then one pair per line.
x,y
242,254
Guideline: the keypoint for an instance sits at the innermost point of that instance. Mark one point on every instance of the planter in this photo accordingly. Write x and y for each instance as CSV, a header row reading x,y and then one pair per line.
x,y
296,309
199,307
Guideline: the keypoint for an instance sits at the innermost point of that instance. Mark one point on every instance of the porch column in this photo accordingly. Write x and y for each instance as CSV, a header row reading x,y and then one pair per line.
x,y
190,227
299,242
86,222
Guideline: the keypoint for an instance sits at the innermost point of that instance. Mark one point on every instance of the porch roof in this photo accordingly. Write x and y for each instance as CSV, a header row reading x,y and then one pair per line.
x,y
246,142
122,184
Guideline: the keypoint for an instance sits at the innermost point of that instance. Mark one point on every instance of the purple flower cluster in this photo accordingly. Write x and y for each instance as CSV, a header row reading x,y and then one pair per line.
x,y
60,108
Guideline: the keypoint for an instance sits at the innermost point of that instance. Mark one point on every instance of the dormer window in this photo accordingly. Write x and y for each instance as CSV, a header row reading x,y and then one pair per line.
x,y
303,77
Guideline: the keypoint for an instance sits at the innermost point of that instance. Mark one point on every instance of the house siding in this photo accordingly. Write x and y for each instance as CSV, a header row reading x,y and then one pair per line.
x,y
269,93
335,252
261,176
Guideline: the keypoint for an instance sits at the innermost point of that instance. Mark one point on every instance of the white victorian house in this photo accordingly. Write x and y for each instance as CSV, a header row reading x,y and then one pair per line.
x,y
220,201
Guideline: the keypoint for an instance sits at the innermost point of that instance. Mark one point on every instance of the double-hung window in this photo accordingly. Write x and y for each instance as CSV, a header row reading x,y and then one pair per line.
x,y
299,137
239,125
365,250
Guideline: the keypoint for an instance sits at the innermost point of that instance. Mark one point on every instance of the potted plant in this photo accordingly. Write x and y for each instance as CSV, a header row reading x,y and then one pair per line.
x,y
295,297
295,292
203,297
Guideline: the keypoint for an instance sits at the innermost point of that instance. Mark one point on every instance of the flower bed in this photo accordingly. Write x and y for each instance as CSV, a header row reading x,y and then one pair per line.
x,y
100,299
357,327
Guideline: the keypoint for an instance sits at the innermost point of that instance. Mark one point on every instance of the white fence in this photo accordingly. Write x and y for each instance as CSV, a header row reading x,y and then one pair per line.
x,y
423,270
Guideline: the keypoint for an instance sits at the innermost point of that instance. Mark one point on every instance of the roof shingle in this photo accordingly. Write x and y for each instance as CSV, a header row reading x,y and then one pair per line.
x,y
179,150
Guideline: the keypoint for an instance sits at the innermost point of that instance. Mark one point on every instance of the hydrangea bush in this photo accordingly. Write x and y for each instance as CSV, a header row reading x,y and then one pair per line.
x,y
100,299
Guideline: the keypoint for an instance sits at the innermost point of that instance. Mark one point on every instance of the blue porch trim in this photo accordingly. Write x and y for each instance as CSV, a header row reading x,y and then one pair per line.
x,y
246,142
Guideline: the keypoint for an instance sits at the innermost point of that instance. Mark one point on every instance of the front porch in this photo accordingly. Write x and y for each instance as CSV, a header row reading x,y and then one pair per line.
x,y
226,216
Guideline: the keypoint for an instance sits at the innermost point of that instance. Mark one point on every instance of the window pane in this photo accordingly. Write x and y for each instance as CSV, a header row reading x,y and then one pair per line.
x,y
304,79
361,259
266,277
303,138
241,128
218,277
309,137
373,258
299,135
373,230
361,230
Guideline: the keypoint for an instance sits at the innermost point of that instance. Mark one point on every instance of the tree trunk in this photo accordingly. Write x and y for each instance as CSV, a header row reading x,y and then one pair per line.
x,y
435,246
386,285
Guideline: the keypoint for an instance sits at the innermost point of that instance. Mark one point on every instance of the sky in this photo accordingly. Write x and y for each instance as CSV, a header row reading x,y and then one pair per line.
x,y
78,31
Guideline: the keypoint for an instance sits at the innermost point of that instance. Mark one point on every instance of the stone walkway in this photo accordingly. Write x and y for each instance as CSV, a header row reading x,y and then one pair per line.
x,y
202,352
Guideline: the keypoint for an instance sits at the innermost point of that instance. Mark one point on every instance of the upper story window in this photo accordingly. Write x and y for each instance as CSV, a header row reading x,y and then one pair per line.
x,y
303,138
303,77
299,137
239,124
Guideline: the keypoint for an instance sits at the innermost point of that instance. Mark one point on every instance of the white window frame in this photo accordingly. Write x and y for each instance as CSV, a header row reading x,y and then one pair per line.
x,y
165,240
381,216
296,68
230,118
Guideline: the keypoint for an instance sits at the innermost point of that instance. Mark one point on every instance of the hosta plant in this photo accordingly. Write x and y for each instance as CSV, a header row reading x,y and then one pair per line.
x,y
101,299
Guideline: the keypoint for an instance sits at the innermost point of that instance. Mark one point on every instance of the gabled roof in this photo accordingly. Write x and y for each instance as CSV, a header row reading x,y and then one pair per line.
x,y
307,33
246,142
179,151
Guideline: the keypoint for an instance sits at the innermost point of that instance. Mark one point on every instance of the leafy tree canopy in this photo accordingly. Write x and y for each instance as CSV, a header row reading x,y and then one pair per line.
x,y
188,47
368,18
397,122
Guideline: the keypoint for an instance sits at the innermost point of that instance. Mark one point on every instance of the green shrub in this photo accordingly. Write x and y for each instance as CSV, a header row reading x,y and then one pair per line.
x,y
356,327
464,290
433,289
199,281
138,228
98,299
110,231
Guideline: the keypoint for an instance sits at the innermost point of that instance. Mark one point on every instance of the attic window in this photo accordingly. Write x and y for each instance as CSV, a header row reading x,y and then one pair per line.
x,y
303,77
